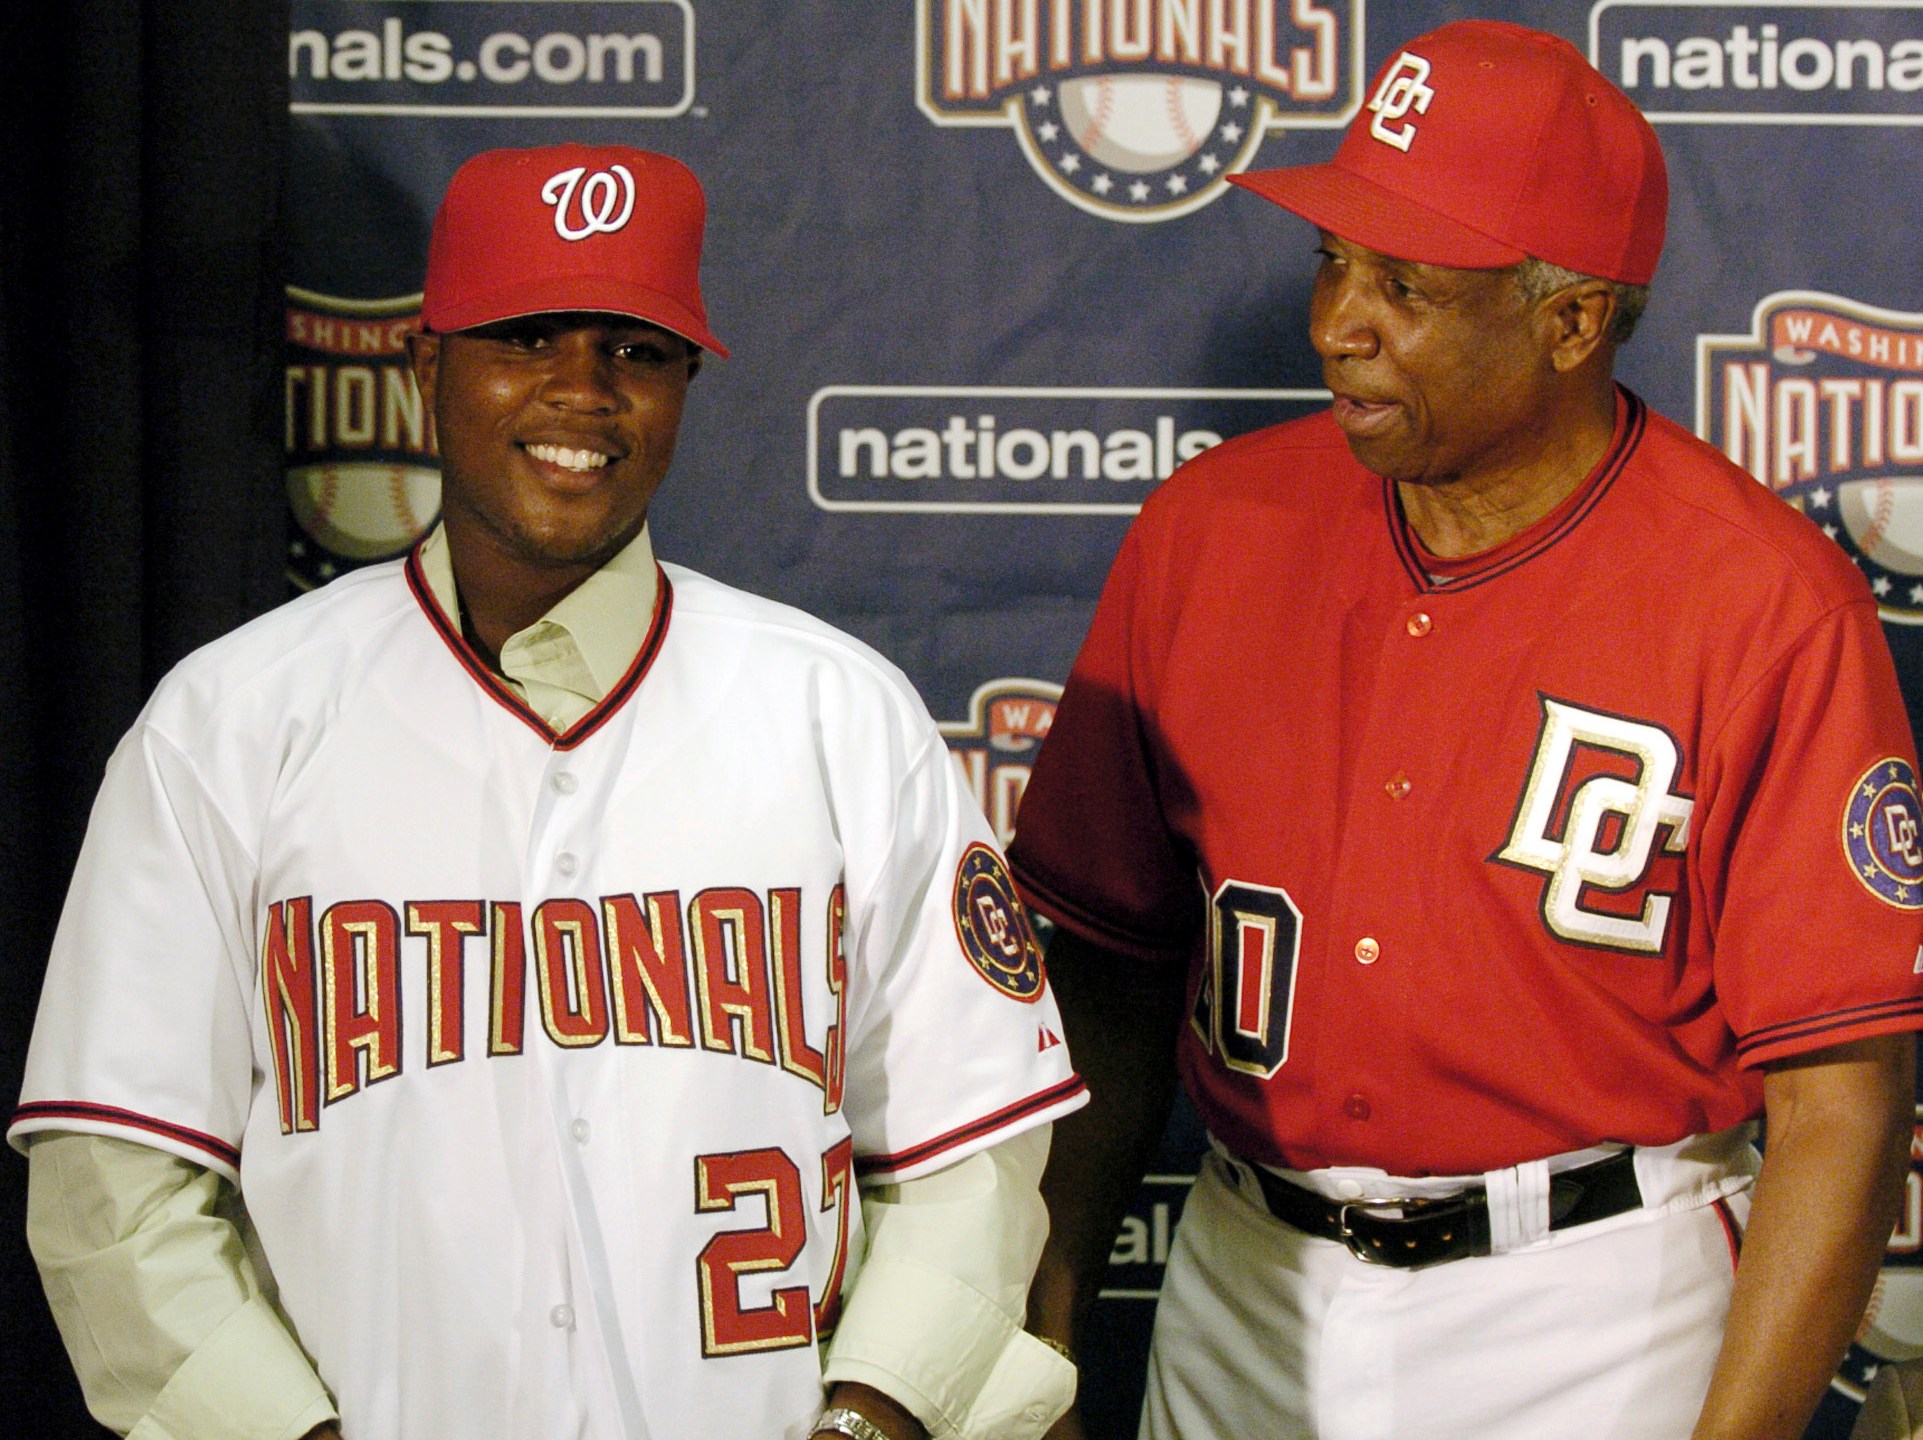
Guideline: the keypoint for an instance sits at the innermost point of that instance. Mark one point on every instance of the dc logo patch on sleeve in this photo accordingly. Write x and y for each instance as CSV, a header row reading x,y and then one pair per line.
x,y
1881,834
994,932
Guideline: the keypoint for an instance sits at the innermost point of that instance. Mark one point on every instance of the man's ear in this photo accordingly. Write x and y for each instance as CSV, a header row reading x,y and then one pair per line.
x,y
424,358
1579,317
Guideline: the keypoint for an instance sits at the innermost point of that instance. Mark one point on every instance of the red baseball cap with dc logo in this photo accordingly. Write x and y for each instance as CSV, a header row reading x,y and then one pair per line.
x,y
600,228
1484,143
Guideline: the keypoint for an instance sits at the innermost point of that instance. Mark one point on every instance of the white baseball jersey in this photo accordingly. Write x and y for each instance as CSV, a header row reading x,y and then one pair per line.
x,y
546,1064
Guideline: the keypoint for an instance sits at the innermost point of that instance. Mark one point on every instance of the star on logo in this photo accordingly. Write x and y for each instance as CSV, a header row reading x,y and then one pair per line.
x,y
1820,497
1070,163
1047,131
1178,184
1231,132
1881,585
1039,95
1138,191
1830,530
1101,184
1239,97
1208,164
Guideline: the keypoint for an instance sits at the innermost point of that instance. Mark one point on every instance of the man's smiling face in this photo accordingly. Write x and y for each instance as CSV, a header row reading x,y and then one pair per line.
x,y
555,431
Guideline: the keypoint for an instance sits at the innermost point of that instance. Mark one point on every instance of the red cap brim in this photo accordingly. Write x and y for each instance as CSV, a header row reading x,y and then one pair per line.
x,y
1343,203
600,294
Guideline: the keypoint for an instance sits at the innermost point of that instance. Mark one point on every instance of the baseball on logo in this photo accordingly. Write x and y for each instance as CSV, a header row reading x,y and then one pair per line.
x,y
1140,124
364,510
1883,517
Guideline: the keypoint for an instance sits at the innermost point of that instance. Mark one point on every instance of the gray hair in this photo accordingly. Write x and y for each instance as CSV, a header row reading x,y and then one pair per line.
x,y
1538,279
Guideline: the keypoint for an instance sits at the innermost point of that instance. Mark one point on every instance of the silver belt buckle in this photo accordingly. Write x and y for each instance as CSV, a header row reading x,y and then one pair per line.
x,y
1359,1247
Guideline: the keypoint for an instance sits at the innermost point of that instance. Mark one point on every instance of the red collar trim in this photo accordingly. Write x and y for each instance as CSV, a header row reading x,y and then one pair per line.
x,y
503,694
1632,420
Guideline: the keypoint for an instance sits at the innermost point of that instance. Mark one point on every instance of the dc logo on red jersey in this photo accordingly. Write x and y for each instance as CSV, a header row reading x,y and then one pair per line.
x,y
993,930
1883,834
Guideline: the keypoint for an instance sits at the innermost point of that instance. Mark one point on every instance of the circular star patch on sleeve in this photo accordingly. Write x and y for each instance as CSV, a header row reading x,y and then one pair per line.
x,y
994,933
1881,834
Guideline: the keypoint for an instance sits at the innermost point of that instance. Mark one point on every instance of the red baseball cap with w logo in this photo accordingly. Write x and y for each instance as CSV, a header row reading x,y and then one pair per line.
x,y
1483,143
569,227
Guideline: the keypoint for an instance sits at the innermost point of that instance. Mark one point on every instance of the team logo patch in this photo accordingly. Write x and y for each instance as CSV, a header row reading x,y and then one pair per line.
x,y
1823,402
362,480
1883,834
994,932
1139,112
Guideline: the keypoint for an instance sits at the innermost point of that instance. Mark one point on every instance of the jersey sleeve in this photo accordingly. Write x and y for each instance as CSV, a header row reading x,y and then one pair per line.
x,y
1811,837
1096,851
142,1028
954,1040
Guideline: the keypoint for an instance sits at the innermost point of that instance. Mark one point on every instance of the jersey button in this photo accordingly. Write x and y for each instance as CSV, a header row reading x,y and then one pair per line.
x,y
561,1317
580,1130
564,783
1367,951
1420,624
1350,1189
1397,785
1356,1108
566,863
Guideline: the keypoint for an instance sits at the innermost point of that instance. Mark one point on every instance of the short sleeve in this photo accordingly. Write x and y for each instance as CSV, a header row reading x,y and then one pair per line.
x,y
1095,851
954,1038
142,1030
1811,833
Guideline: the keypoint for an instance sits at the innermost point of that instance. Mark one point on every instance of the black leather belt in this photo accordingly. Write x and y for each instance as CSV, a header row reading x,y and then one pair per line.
x,y
1408,1234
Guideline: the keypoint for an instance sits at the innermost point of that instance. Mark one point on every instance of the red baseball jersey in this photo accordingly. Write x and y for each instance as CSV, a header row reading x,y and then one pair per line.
x,y
1477,861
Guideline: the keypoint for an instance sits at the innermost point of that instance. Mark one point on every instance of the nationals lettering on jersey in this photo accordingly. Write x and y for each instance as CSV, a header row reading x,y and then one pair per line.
x,y
724,973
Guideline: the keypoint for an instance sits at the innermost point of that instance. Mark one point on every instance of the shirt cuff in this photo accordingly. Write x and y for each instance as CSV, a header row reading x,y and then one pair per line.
x,y
933,1316
248,1380
948,1354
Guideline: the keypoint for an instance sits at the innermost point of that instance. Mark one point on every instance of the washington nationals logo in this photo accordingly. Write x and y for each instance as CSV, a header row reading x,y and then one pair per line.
x,y
1822,401
994,932
1596,812
1404,89
606,201
1883,834
1139,112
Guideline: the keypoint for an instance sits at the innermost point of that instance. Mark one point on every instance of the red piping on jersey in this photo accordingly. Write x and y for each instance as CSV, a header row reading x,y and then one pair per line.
x,y
1732,1232
499,689
974,1129
113,1115
1836,1020
1628,436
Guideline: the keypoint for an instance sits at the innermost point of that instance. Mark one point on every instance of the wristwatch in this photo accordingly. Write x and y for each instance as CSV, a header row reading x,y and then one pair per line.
x,y
851,1423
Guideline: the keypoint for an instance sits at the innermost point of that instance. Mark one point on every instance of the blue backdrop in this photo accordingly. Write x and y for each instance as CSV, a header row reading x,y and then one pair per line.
x,y
985,286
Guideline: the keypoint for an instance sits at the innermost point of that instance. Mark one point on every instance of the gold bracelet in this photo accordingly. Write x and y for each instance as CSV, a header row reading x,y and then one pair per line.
x,y
1060,1349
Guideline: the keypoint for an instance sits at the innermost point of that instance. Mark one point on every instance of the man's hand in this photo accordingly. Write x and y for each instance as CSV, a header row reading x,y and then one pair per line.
x,y
1834,1160
1121,1017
